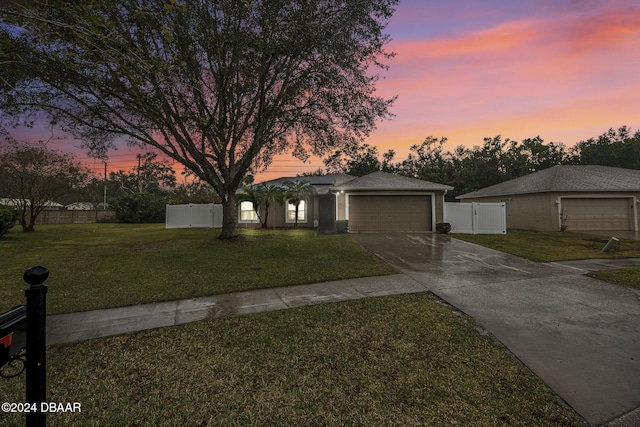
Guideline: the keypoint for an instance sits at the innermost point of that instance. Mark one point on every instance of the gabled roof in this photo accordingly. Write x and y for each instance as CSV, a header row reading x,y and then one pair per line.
x,y
25,202
383,181
322,183
329,179
80,206
565,178
388,181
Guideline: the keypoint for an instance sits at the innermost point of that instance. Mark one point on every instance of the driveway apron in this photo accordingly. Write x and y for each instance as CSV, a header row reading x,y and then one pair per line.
x,y
579,335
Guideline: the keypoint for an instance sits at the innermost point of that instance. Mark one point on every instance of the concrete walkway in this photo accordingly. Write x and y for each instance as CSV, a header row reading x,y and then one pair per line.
x,y
64,328
580,335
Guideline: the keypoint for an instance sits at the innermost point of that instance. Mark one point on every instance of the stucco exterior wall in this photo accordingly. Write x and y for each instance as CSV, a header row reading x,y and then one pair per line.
x,y
527,211
342,206
277,217
540,212
439,199
277,213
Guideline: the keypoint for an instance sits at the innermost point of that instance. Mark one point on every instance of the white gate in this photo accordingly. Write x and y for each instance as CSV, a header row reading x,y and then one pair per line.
x,y
191,216
476,218
460,216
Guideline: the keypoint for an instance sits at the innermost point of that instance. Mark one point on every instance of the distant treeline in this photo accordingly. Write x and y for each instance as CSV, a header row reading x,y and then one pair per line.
x,y
495,161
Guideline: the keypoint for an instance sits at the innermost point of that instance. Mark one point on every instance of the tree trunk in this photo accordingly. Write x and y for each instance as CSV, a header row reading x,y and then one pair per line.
x,y
229,217
27,223
266,214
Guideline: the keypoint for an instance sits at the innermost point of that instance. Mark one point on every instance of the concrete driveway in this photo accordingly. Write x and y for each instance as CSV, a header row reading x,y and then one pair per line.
x,y
579,335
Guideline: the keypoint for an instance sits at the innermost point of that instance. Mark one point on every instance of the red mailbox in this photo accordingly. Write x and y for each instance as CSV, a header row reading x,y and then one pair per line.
x,y
13,337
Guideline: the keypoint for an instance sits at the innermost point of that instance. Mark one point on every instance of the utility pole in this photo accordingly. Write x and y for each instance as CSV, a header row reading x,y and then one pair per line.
x,y
104,201
138,175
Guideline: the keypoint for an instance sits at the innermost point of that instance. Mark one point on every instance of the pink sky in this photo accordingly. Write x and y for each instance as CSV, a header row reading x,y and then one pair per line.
x,y
564,70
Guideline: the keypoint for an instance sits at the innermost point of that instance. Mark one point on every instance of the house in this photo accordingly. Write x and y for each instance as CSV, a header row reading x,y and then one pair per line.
x,y
571,197
80,206
379,201
18,203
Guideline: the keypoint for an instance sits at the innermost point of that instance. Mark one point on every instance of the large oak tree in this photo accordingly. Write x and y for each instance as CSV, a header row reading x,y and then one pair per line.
x,y
219,86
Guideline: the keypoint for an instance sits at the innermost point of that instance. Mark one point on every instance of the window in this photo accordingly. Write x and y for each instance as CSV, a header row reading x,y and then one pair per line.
x,y
302,212
247,214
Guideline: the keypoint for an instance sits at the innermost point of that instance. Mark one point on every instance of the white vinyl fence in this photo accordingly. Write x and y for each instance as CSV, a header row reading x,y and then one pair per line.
x,y
189,216
476,218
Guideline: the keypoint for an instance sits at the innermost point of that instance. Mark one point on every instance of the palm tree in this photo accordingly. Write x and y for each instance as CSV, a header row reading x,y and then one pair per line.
x,y
297,191
271,193
255,195
261,195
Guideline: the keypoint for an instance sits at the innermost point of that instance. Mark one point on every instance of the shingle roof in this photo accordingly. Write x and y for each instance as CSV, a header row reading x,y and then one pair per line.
x,y
19,202
330,179
322,183
564,178
388,181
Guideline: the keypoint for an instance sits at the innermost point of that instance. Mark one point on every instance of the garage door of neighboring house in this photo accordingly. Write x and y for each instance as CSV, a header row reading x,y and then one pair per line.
x,y
597,214
390,213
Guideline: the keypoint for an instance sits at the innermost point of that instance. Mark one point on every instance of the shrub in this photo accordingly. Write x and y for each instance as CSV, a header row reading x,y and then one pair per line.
x,y
443,227
342,226
8,217
140,208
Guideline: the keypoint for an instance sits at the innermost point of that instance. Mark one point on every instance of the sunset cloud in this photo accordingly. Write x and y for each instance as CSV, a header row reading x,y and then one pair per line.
x,y
565,70
570,74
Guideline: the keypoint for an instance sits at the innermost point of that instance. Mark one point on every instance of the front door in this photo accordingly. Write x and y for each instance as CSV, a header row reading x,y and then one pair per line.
x,y
326,213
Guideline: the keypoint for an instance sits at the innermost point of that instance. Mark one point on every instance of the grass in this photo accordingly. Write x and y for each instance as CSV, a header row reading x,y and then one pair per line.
x,y
94,266
624,276
401,360
564,246
553,246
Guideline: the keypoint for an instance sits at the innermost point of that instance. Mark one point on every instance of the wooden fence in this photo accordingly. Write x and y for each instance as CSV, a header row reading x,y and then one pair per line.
x,y
74,217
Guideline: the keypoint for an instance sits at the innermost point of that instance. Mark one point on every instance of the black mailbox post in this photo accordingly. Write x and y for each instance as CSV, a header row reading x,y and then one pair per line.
x,y
23,340
36,295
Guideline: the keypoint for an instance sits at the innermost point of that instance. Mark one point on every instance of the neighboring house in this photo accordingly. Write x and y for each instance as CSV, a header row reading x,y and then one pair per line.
x,y
379,201
80,206
571,197
49,206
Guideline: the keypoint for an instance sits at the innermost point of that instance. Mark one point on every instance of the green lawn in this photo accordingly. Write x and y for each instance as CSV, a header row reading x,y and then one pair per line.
x,y
95,266
401,360
563,246
553,246
625,276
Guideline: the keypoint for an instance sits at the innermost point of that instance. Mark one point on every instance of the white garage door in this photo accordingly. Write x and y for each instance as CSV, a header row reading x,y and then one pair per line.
x,y
390,213
598,214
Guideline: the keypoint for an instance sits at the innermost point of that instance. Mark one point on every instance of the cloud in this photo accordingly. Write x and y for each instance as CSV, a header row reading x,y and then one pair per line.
x,y
563,69
521,72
